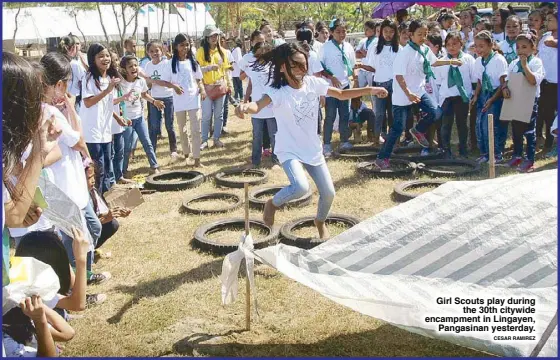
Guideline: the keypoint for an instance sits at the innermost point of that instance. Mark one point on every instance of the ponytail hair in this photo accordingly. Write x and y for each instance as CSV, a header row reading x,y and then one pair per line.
x,y
278,57
65,44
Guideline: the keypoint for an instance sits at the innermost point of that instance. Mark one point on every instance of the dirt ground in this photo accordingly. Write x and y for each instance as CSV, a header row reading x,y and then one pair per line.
x,y
164,296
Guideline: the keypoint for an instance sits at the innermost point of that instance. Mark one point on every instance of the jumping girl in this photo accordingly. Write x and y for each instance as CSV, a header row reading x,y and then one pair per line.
x,y
532,69
411,70
186,73
295,100
490,73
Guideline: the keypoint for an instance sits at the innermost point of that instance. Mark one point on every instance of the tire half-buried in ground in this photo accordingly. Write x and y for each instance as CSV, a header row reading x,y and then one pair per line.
x,y
257,203
203,241
254,177
412,153
359,153
402,193
188,203
399,168
289,238
448,168
174,180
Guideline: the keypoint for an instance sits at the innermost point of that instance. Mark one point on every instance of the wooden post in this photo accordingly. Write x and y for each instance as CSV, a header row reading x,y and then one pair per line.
x,y
247,284
491,159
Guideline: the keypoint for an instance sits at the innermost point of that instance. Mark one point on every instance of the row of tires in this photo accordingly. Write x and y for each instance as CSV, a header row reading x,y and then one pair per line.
x,y
273,235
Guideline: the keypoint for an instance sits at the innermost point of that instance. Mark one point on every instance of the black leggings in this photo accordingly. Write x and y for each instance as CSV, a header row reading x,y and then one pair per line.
x,y
548,105
107,231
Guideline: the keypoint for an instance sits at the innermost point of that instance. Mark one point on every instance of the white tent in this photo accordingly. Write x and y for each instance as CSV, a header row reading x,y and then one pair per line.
x,y
468,239
35,24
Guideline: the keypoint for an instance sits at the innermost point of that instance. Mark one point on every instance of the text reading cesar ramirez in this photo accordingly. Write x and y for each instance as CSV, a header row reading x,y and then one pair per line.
x,y
507,319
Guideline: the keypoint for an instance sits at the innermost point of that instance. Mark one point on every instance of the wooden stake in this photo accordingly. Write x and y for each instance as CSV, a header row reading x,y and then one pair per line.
x,y
247,284
491,159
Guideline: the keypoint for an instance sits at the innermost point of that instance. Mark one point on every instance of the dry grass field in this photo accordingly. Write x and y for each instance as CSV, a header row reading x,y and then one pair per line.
x,y
164,297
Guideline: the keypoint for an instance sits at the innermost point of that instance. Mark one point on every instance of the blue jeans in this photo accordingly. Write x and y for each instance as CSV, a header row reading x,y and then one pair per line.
x,y
117,157
520,130
333,105
258,131
139,127
299,186
212,108
400,116
383,105
94,226
500,130
101,154
155,123
237,88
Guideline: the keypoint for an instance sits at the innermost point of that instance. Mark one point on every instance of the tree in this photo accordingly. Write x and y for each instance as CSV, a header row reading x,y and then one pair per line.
x,y
102,24
135,7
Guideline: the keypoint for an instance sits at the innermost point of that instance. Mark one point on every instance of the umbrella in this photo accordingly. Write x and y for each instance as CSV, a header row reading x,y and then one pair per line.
x,y
385,9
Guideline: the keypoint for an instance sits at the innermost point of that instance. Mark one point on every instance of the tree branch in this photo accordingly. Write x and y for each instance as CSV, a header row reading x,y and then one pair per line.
x,y
102,24
16,29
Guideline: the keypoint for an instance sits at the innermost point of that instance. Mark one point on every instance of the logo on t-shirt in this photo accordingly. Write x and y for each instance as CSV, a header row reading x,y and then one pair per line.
x,y
305,107
156,75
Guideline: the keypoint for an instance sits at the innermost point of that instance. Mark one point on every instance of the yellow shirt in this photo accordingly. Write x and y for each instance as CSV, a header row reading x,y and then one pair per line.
x,y
211,77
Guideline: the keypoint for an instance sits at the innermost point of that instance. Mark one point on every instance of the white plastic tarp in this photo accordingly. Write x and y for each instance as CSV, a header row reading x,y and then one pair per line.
x,y
35,24
479,239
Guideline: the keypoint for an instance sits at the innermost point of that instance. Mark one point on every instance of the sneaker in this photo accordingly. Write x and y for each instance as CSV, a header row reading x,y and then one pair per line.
x,y
499,159
95,299
382,164
204,145
514,162
482,159
225,131
346,146
526,167
552,153
218,144
425,152
327,150
174,157
419,137
266,153
96,279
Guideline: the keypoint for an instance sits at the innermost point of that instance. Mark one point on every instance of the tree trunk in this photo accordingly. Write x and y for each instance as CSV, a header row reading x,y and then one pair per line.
x,y
16,29
135,23
495,6
121,33
162,22
102,24
79,29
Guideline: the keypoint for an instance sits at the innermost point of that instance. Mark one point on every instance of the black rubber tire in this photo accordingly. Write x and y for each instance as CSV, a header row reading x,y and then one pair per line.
x,y
359,153
400,193
367,168
257,203
288,238
212,196
191,180
202,242
414,149
471,168
221,180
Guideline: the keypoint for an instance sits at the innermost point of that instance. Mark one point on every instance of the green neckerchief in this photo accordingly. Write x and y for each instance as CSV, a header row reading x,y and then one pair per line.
x,y
5,257
454,78
486,83
326,69
512,55
520,67
344,58
369,41
427,66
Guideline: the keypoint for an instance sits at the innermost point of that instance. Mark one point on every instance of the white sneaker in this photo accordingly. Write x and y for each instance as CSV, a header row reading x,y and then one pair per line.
x,y
174,157
204,145
327,150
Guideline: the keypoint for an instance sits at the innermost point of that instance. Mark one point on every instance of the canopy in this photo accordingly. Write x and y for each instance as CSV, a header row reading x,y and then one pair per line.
x,y
35,24
385,9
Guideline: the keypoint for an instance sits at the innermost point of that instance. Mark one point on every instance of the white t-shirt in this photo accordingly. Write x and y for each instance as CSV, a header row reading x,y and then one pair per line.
x,y
97,120
246,61
508,50
467,73
161,71
317,46
382,62
536,67
78,73
15,349
549,57
332,57
237,55
116,128
499,37
495,69
314,65
296,112
133,108
410,64
186,78
259,80
68,173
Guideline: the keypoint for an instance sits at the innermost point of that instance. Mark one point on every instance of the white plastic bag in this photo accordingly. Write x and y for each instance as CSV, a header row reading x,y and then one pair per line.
x,y
28,277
